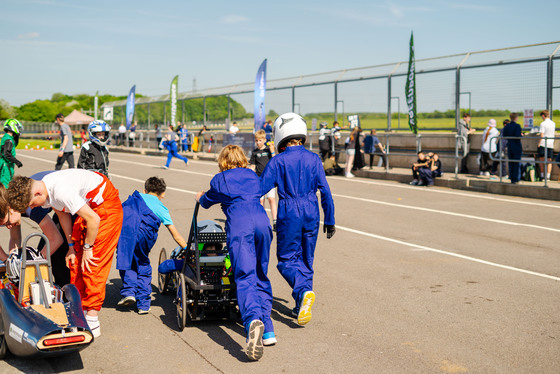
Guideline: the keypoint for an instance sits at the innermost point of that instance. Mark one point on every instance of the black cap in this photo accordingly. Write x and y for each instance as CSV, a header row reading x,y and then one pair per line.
x,y
60,115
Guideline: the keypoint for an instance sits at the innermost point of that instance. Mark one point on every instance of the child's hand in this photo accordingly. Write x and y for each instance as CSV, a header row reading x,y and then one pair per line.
x,y
199,195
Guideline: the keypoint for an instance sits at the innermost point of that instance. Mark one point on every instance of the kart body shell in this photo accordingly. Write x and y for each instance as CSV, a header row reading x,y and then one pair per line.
x,y
44,320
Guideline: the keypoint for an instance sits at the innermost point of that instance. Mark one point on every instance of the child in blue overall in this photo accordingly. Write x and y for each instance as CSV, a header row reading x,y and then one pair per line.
x,y
170,143
297,173
249,236
142,215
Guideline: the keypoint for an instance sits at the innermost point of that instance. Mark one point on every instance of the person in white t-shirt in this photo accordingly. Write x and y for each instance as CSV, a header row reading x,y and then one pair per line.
x,y
233,129
489,146
92,238
546,144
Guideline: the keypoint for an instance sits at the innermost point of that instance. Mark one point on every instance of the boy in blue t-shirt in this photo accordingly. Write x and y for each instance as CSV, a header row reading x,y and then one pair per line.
x,y
142,215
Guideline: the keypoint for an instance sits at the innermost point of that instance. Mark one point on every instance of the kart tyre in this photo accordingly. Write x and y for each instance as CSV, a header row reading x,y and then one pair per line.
x,y
163,279
181,301
3,347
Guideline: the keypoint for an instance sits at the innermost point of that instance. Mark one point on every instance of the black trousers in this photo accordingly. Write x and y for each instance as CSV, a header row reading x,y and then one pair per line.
x,y
66,157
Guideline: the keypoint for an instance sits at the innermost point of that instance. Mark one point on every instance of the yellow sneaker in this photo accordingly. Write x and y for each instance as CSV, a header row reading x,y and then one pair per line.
x,y
304,315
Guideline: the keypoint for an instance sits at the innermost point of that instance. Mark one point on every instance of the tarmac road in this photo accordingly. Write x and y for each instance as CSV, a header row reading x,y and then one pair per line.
x,y
416,280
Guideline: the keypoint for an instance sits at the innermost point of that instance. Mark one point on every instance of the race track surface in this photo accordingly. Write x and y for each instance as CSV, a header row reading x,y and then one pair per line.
x,y
416,280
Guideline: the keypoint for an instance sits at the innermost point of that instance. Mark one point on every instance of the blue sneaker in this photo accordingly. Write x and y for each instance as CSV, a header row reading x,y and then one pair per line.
x,y
254,340
269,339
304,314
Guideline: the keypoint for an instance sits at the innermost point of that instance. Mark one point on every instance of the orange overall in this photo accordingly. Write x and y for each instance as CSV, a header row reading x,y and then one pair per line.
x,y
92,284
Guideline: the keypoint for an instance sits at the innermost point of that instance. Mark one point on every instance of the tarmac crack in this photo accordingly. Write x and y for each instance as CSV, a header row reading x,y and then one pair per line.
x,y
190,346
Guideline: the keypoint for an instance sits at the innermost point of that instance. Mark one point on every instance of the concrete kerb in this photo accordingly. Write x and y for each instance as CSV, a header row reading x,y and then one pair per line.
x,y
535,190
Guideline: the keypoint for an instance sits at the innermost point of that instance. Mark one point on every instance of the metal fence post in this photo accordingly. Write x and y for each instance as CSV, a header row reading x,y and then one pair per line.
x,y
335,101
389,99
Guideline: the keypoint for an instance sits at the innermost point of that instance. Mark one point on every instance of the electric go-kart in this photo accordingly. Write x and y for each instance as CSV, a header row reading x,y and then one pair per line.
x,y
37,318
202,281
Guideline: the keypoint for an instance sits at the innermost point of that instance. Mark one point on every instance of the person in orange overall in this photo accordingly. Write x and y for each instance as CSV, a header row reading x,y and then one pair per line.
x,y
92,238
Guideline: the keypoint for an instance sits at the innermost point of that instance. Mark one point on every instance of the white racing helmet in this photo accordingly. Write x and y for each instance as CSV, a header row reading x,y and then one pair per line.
x,y
209,226
287,127
13,263
99,127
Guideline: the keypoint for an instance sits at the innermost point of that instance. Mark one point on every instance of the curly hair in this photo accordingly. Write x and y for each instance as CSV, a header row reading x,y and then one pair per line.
x,y
19,193
3,203
155,185
232,157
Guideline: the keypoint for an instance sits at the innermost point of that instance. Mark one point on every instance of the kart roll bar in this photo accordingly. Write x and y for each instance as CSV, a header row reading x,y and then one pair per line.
x,y
36,264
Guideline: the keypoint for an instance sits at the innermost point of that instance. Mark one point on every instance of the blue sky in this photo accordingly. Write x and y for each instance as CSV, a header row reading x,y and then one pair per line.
x,y
107,46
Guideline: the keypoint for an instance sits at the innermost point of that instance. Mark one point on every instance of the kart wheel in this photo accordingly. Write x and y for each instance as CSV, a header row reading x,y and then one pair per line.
x,y
181,301
163,279
3,347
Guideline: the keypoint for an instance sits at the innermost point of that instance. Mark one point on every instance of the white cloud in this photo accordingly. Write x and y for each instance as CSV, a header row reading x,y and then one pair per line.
x,y
395,10
28,35
234,18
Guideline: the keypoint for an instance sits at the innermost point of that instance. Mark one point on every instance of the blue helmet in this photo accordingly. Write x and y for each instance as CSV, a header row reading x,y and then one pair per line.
x,y
97,127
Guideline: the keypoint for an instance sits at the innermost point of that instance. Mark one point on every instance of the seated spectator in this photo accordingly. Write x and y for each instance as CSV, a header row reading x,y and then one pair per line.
x,y
372,146
422,162
431,171
331,167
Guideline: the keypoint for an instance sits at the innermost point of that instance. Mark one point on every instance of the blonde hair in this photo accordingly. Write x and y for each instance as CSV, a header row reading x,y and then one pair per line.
x,y
355,130
293,142
231,157
261,134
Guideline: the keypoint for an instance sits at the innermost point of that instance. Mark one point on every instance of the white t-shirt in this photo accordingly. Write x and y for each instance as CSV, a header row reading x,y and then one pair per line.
x,y
68,188
490,145
547,130
233,129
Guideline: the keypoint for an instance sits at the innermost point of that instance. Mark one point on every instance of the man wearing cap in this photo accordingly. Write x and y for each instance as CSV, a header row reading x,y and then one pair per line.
x,y
489,146
66,152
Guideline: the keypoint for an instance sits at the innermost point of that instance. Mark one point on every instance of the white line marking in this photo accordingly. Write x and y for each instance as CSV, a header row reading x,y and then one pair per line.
x,y
448,213
350,197
468,258
416,246
474,195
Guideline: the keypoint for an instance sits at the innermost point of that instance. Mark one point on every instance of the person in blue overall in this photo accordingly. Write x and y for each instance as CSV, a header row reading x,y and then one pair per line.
x,y
184,136
249,235
142,215
170,143
513,131
298,174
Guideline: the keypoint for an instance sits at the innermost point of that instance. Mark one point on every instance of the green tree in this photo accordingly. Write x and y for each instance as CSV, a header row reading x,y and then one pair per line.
x,y
6,110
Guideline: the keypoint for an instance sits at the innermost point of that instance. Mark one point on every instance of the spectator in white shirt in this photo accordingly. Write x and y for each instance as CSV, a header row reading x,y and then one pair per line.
x,y
546,144
233,129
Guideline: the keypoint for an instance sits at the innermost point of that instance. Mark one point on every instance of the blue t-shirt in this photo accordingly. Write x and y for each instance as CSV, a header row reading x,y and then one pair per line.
x,y
156,206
